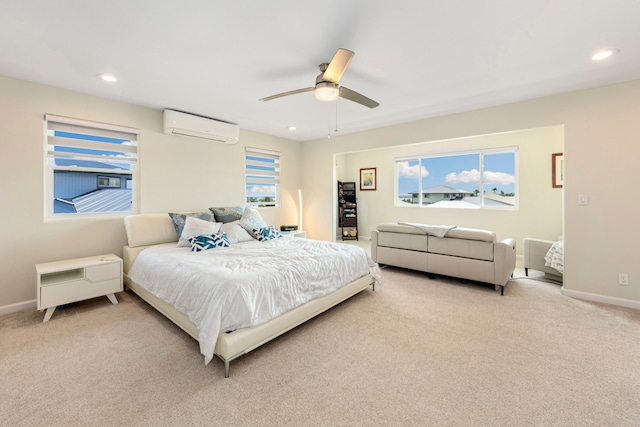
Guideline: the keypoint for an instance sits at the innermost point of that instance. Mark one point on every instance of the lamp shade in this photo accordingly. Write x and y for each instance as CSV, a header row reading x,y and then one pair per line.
x,y
326,91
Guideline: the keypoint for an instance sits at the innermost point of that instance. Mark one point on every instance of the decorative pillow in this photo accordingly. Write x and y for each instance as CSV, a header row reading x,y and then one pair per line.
x,y
227,214
196,227
250,220
208,241
267,233
235,233
179,219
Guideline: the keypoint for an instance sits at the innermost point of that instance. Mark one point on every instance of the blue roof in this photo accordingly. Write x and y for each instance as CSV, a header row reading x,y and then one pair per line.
x,y
107,200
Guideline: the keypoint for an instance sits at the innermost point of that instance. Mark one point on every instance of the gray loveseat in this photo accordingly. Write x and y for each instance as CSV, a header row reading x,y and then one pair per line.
x,y
465,253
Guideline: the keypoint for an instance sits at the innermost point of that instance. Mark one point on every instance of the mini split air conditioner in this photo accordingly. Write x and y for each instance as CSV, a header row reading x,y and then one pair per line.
x,y
178,123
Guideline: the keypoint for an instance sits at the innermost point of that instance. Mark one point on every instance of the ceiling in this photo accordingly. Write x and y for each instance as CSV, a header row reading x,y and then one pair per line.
x,y
417,58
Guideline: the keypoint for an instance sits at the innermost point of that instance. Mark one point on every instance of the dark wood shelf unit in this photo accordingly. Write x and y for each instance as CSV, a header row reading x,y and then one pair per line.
x,y
347,210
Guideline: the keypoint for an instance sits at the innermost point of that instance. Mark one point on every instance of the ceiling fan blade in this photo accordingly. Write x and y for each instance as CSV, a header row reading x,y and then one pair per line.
x,y
356,97
291,92
338,65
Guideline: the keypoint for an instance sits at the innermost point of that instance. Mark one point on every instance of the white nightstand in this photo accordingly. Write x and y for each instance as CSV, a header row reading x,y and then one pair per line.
x,y
302,233
63,282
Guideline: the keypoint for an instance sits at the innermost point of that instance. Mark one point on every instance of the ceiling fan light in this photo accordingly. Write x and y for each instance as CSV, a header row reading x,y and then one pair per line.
x,y
326,92
603,54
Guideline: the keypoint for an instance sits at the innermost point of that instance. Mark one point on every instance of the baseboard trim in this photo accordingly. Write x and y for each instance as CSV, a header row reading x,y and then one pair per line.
x,y
601,298
12,308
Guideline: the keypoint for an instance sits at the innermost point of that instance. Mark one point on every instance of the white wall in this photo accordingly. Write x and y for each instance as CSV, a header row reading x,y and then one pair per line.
x,y
540,208
176,173
601,149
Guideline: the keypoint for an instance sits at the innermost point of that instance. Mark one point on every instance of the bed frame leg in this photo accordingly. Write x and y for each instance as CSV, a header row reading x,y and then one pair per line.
x,y
226,369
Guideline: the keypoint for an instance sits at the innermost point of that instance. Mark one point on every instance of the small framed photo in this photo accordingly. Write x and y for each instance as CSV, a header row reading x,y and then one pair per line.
x,y
367,179
557,170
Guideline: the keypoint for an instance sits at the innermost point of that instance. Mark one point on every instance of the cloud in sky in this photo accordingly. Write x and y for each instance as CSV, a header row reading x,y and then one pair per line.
x,y
473,176
465,177
415,171
498,178
262,190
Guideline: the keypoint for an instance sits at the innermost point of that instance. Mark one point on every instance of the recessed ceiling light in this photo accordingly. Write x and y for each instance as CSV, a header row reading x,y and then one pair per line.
x,y
603,54
291,128
108,78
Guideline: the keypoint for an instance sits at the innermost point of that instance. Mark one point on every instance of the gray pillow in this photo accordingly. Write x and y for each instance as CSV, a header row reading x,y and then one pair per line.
x,y
180,218
227,214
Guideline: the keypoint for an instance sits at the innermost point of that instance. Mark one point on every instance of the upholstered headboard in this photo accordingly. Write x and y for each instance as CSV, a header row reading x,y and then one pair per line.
x,y
146,230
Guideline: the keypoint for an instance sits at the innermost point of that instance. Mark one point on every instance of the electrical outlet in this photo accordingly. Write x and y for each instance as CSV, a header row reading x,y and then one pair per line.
x,y
623,279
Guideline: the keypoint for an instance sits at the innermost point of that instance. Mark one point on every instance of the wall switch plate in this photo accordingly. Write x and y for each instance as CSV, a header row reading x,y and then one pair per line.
x,y
623,279
583,199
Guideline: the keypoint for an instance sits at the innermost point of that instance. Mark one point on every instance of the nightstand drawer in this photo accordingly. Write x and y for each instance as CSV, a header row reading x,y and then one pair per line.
x,y
78,290
100,272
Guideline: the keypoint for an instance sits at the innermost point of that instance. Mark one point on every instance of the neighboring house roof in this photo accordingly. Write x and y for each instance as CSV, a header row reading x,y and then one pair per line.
x,y
107,200
442,189
473,202
503,200
456,203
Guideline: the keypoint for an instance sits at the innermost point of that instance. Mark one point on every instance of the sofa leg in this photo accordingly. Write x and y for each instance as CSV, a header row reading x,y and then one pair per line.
x,y
502,291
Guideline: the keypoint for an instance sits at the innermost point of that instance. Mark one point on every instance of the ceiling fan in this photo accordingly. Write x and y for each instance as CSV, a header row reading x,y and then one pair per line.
x,y
327,87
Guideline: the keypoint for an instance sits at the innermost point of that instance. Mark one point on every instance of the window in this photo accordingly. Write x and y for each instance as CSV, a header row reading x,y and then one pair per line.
x,y
105,181
262,177
483,179
87,164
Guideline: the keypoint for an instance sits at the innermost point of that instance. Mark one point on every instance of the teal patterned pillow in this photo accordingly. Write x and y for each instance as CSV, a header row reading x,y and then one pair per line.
x,y
227,214
179,219
209,241
266,233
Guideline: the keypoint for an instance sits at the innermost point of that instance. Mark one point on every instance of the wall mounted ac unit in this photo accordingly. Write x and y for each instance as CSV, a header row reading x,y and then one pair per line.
x,y
178,123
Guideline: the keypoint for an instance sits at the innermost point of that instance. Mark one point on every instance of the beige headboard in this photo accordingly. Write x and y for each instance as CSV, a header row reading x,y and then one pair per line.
x,y
146,230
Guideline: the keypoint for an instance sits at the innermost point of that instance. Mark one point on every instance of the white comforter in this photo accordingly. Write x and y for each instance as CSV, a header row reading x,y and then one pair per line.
x,y
249,283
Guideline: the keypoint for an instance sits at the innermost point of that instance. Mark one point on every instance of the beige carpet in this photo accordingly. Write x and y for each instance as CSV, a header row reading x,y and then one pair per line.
x,y
415,352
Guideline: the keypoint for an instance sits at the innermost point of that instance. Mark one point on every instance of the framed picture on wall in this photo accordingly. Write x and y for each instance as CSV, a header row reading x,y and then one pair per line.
x,y
367,179
557,173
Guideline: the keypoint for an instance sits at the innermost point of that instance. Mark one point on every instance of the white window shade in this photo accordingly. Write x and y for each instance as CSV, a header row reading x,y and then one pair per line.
x,y
262,177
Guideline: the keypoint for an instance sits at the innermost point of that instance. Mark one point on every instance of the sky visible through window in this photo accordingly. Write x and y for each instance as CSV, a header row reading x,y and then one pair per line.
x,y
257,191
461,172
82,164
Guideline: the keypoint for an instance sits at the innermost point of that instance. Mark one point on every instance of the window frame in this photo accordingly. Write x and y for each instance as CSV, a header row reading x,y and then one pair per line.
x,y
53,123
263,168
481,152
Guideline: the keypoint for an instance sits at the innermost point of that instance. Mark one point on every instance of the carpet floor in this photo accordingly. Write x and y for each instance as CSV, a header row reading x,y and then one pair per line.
x,y
415,352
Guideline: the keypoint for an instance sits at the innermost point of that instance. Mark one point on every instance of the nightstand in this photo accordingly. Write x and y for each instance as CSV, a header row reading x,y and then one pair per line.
x,y
64,282
302,233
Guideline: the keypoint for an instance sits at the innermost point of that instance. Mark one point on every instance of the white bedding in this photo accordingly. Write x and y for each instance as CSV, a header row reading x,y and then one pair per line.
x,y
249,283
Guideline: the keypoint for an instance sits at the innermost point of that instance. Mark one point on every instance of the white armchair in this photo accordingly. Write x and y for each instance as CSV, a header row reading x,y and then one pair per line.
x,y
534,252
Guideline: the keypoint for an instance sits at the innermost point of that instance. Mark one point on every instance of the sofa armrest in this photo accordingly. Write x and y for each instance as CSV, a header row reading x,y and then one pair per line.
x,y
504,260
534,252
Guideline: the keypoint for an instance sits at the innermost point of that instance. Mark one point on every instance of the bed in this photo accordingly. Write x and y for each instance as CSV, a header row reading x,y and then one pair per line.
x,y
284,282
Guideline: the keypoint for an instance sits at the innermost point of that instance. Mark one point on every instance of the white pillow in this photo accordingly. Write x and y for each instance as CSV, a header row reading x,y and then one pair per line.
x,y
235,233
196,227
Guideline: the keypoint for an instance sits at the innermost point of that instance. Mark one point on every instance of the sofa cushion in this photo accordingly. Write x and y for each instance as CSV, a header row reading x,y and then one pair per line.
x,y
465,248
413,242
394,227
472,234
